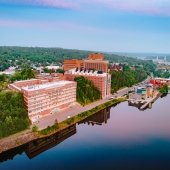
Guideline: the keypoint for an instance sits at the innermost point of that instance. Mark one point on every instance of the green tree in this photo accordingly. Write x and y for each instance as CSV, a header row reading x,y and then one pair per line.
x,y
86,91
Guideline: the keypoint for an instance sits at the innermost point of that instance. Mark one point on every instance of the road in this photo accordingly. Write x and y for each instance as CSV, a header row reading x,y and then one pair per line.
x,y
75,110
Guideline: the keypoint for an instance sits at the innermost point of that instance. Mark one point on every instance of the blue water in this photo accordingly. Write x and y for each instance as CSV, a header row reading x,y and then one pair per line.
x,y
118,138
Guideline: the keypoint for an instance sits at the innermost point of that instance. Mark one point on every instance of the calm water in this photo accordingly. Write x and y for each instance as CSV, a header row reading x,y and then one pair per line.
x,y
120,137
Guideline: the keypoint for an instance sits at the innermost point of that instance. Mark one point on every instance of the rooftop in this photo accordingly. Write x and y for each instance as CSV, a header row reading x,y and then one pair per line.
x,y
47,85
87,72
96,61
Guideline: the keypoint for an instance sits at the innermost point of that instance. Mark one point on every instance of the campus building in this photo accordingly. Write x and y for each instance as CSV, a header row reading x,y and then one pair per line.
x,y
94,61
73,63
43,97
94,68
100,79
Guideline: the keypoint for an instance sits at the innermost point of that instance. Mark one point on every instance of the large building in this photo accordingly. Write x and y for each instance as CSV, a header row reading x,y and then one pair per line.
x,y
43,97
94,61
100,79
73,63
94,68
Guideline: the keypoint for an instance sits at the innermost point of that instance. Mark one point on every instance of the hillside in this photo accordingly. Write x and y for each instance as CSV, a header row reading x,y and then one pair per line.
x,y
16,56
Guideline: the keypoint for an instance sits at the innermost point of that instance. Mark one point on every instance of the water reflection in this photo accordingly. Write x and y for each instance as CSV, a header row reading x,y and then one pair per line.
x,y
131,139
39,146
98,118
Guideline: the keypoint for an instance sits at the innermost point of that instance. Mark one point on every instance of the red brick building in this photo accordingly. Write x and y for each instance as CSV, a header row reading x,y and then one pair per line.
x,y
101,80
96,56
73,63
94,68
43,97
160,81
94,61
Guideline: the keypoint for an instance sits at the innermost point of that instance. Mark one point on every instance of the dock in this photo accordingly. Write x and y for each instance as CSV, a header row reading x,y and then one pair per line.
x,y
144,103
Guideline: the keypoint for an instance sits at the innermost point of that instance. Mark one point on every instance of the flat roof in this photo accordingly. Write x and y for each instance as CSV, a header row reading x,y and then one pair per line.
x,y
47,85
86,73
25,80
96,61
165,79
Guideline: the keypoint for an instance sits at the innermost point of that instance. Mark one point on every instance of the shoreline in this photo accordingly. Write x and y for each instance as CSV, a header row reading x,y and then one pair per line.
x,y
27,136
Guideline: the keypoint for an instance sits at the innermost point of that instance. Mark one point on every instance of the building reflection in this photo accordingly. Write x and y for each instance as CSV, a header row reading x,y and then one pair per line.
x,y
39,146
98,118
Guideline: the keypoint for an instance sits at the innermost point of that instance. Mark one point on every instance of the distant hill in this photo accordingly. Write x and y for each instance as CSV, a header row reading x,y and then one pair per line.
x,y
12,56
143,55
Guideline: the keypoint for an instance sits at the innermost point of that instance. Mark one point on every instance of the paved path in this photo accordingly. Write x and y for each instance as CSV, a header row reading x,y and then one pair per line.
x,y
64,114
77,109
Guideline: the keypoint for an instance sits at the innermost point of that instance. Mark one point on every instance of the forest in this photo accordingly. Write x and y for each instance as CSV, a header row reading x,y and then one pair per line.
x,y
36,56
13,114
127,78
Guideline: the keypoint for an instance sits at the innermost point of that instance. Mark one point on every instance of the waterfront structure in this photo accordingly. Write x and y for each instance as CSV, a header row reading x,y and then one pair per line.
x,y
150,92
100,79
43,97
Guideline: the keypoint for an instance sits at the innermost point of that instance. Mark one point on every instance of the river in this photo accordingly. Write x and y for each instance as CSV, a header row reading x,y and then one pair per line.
x,y
119,138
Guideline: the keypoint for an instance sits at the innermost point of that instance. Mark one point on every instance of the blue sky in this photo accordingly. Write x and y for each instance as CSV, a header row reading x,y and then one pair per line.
x,y
103,25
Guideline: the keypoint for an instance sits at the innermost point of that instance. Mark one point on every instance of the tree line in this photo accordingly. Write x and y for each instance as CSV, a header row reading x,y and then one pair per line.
x,y
13,114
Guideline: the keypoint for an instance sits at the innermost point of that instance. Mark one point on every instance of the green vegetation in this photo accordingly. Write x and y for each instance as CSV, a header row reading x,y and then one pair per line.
x,y
162,74
13,115
73,120
59,71
46,70
163,89
25,73
86,91
127,78
16,56
34,128
3,82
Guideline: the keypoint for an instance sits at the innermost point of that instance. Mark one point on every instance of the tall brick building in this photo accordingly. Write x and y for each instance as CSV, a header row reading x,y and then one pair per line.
x,y
101,80
94,61
43,97
94,68
73,63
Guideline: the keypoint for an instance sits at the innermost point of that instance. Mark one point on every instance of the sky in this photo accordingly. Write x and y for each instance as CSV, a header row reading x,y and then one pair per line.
x,y
100,25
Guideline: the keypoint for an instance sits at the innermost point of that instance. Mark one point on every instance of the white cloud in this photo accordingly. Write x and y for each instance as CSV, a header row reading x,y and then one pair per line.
x,y
153,7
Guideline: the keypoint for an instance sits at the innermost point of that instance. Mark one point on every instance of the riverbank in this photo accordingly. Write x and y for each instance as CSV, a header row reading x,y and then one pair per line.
x,y
28,136
73,120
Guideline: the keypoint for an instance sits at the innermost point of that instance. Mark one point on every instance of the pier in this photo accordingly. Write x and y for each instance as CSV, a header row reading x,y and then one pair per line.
x,y
142,104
